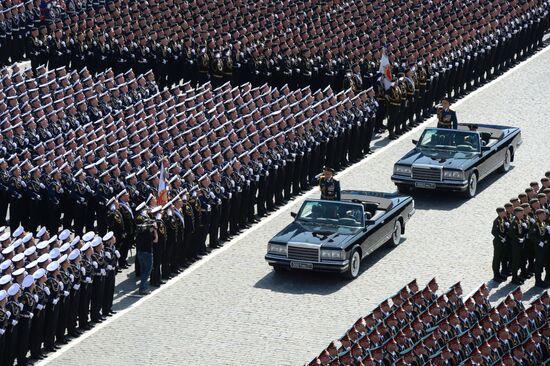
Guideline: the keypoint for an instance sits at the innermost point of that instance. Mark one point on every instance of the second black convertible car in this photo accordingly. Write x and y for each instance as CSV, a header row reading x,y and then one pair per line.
x,y
457,159
336,235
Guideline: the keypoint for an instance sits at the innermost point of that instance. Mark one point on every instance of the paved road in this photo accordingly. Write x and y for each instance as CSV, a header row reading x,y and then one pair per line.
x,y
233,310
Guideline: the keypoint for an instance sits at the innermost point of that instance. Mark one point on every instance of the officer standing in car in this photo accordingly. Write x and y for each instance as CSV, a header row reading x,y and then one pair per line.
x,y
330,187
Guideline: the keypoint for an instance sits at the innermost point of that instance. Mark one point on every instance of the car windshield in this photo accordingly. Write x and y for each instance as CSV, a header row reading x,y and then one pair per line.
x,y
449,143
331,213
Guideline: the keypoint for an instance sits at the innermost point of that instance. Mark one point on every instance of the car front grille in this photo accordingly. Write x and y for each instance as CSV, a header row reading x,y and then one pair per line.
x,y
303,253
433,174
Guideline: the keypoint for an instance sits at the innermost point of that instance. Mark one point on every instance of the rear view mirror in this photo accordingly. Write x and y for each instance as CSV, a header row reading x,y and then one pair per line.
x,y
415,142
293,214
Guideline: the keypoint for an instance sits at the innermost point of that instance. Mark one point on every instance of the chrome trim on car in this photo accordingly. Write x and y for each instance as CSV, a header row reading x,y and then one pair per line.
x,y
429,173
304,252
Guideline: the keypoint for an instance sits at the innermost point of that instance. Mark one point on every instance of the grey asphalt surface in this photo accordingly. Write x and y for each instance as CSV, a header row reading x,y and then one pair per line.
x,y
231,309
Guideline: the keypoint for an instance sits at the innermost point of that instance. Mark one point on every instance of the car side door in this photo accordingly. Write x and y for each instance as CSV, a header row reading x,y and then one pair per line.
x,y
378,232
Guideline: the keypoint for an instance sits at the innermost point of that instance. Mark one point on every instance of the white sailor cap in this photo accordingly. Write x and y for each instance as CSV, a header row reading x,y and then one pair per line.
x,y
156,209
5,279
27,238
88,236
3,295
42,245
41,232
18,272
31,265
64,235
14,289
5,265
65,247
7,250
40,272
108,236
54,253
53,266
74,254
4,237
28,281
141,206
17,243
52,239
62,259
18,257
30,251
17,232
44,257
85,247
75,241
97,240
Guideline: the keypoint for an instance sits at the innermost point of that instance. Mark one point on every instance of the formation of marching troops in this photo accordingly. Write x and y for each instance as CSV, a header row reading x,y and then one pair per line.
x,y
53,286
521,236
420,327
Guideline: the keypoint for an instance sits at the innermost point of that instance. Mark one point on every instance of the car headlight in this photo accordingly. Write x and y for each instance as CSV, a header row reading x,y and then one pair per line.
x,y
333,254
279,249
402,170
453,174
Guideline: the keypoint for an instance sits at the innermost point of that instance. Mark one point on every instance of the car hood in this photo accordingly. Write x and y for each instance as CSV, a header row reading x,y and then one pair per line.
x,y
323,235
458,160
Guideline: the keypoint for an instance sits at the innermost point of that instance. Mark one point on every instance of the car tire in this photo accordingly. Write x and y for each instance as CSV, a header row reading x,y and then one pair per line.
x,y
403,189
471,190
506,164
354,265
279,269
395,239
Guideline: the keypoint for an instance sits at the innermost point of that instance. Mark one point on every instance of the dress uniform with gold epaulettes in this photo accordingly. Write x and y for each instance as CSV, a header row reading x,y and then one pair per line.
x,y
189,230
215,214
16,191
499,232
110,256
98,286
12,333
115,223
53,293
179,250
4,194
104,193
158,252
126,242
330,188
169,257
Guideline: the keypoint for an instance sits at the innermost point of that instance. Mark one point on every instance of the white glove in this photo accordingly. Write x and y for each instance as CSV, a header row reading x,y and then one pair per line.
x,y
83,270
548,229
31,315
507,224
108,255
76,287
55,301
117,253
109,268
541,244
212,195
103,273
65,293
524,225
230,195
88,280
72,278
94,263
521,240
47,291
40,306
14,322
61,287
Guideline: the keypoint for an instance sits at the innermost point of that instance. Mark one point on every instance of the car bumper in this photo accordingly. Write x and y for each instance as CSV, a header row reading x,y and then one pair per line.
x,y
332,266
453,185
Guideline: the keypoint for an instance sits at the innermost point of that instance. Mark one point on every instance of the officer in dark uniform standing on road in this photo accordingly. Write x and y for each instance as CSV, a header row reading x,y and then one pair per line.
x,y
540,236
517,235
330,187
499,232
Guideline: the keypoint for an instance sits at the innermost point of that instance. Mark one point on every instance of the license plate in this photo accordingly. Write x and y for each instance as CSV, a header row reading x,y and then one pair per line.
x,y
424,185
301,265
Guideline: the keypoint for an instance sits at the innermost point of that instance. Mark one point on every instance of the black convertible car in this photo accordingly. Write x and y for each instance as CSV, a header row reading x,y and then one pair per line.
x,y
336,235
457,159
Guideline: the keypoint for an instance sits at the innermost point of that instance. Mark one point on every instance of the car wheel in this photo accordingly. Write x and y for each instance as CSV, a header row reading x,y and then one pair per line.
x,y
279,269
403,188
471,190
354,265
395,239
506,164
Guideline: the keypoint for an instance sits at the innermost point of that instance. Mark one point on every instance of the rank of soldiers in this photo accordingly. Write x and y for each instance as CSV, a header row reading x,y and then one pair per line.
x,y
419,327
53,286
300,44
521,236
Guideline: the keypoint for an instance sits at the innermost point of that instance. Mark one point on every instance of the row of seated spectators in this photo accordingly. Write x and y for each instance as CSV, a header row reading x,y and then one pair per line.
x,y
422,327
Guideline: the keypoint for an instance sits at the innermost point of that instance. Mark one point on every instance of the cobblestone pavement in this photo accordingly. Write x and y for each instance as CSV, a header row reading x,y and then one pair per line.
x,y
233,310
